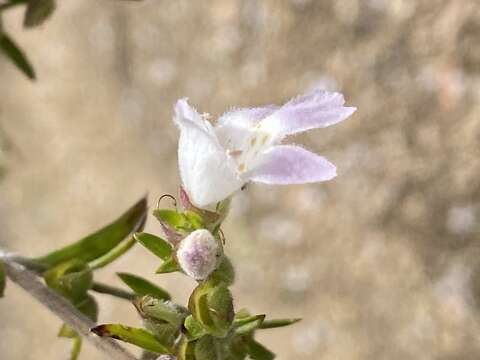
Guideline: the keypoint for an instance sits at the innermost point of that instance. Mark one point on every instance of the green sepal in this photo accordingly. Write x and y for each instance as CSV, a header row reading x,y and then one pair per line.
x,y
172,218
135,336
37,12
150,307
155,244
142,287
3,279
168,266
248,324
225,273
71,279
67,332
102,241
195,220
206,348
195,330
276,323
258,352
13,52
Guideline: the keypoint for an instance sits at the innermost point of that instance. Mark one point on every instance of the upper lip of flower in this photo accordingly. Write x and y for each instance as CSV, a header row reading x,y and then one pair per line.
x,y
244,145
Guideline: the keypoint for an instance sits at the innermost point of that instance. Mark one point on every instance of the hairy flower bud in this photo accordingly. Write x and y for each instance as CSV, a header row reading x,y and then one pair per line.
x,y
199,254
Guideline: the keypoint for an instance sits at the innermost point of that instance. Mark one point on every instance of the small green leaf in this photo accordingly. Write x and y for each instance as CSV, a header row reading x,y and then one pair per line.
x,y
206,349
247,325
156,245
16,55
76,348
212,306
72,279
164,332
195,330
37,12
259,352
89,307
153,308
186,350
67,332
225,273
142,287
102,241
3,279
170,265
220,303
135,336
172,218
276,323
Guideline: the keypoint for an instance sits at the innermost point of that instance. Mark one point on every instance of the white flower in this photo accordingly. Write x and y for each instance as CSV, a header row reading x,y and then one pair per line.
x,y
199,254
215,161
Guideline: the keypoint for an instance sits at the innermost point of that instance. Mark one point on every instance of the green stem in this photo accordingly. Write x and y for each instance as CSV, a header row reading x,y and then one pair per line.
x,y
113,291
113,254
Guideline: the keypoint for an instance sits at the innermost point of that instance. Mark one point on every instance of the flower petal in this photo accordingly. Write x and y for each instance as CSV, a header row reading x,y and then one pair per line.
x,y
289,164
207,173
246,117
315,110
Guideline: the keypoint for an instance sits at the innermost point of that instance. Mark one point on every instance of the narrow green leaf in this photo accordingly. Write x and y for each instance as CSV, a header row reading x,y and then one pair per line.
x,y
259,352
248,324
102,241
16,55
276,323
135,336
3,279
155,244
170,265
37,12
142,287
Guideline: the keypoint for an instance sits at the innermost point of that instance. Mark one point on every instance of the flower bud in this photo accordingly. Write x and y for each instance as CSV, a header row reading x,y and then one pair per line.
x,y
199,254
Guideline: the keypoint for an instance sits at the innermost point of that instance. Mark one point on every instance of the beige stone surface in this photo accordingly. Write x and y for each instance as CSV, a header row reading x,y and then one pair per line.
x,y
382,262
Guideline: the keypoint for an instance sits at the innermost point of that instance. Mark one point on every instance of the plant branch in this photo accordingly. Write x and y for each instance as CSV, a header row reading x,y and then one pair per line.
x,y
29,281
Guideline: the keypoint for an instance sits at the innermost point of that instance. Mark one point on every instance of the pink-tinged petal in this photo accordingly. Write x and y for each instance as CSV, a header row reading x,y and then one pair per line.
x,y
289,164
315,110
242,118
208,174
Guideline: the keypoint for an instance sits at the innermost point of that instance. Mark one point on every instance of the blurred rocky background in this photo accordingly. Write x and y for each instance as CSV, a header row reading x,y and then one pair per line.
x,y
382,263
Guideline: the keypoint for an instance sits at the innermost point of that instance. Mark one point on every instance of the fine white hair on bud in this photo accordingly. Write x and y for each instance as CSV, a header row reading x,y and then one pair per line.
x,y
199,254
166,357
